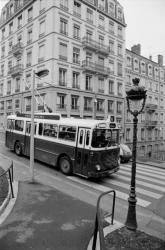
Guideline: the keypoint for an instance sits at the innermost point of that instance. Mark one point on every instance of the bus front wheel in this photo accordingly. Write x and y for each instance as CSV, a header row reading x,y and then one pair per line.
x,y
65,165
17,148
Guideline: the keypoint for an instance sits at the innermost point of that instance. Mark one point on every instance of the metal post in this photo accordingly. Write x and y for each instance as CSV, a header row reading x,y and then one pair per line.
x,y
131,222
32,130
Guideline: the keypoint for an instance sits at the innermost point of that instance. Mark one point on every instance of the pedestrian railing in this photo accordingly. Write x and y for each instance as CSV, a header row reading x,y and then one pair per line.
x,y
98,229
9,172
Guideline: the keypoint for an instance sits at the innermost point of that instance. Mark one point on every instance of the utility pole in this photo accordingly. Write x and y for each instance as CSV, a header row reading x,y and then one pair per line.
x,y
32,130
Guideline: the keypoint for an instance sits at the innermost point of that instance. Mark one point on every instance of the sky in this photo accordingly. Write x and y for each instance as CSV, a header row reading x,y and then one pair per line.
x,y
145,21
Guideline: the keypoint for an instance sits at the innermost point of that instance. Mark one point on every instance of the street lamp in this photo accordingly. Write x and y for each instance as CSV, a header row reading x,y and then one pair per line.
x,y
136,98
40,73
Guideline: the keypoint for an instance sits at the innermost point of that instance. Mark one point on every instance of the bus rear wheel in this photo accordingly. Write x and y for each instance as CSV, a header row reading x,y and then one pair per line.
x,y
65,165
17,148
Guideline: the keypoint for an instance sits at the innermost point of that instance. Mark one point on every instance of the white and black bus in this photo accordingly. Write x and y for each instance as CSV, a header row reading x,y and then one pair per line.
x,y
85,147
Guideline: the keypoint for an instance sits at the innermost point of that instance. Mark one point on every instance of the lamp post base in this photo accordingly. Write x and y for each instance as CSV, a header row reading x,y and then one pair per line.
x,y
131,222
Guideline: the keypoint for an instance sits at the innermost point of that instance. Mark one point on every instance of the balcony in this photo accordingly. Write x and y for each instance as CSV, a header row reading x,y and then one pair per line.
x,y
96,46
151,107
61,106
16,70
17,49
63,7
95,68
150,123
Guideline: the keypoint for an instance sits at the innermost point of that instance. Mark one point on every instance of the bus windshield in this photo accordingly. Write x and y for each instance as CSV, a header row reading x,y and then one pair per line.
x,y
105,138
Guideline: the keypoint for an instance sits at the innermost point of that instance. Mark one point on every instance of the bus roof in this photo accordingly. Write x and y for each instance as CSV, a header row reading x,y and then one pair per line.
x,y
71,121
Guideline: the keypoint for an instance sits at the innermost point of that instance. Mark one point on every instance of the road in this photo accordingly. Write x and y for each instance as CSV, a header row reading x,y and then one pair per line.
x,y
150,184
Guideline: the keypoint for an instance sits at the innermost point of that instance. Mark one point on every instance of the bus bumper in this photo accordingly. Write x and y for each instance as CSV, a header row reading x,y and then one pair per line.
x,y
102,174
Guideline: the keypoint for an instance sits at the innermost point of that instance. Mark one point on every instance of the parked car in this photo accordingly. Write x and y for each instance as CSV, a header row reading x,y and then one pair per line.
x,y
125,153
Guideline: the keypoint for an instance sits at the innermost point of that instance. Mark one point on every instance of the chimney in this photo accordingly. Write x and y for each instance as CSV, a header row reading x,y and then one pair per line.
x,y
136,49
150,57
160,60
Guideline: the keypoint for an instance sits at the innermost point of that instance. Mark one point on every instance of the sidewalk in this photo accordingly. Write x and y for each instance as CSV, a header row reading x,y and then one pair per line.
x,y
44,218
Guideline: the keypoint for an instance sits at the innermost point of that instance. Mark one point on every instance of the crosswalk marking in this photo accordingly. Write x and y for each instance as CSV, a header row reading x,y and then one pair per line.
x,y
144,172
160,170
138,190
144,177
121,195
148,170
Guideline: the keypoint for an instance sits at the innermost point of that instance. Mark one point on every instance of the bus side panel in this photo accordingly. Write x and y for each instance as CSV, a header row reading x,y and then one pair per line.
x,y
20,138
49,151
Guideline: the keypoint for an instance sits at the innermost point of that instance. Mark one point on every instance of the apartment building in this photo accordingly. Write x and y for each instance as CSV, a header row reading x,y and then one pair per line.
x,y
81,43
151,123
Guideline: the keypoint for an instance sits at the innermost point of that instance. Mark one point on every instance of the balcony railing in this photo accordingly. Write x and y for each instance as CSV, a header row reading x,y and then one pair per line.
x,y
96,46
62,83
151,123
61,106
95,68
151,107
63,7
16,70
76,86
74,108
89,109
28,107
17,49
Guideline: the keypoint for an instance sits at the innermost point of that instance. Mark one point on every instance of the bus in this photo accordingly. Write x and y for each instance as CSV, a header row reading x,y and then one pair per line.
x,y
84,147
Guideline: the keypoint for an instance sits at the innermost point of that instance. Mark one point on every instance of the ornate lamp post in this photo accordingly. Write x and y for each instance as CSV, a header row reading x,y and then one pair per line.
x,y
136,98
41,73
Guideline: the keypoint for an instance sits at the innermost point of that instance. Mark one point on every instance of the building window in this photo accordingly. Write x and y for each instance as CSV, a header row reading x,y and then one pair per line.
x,y
63,26
10,28
111,66
9,87
120,34
100,105
29,36
76,80
63,52
110,106
30,14
3,52
17,103
61,101
111,47
42,5
42,29
101,85
101,40
111,8
74,102
89,15
142,134
2,70
2,105
77,9
119,107
88,83
9,104
136,65
111,87
41,53
3,33
119,69
89,35
29,59
128,61
76,31
62,77
119,50
9,66
87,103
28,82
17,85
101,22
111,27
76,55
19,21
119,89
1,89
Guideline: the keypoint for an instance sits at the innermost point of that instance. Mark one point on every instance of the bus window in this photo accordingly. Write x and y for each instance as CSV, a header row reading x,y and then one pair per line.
x,y
81,137
10,124
87,138
28,127
50,130
40,128
19,125
67,133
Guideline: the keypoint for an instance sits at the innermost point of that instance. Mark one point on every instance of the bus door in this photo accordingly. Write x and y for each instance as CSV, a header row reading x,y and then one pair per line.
x,y
9,134
82,155
27,137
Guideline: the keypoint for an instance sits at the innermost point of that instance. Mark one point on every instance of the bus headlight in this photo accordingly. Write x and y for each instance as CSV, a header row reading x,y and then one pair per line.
x,y
98,167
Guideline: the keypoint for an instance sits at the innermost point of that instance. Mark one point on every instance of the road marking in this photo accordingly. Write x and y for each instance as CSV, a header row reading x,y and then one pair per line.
x,y
148,170
151,167
142,177
121,195
139,190
144,172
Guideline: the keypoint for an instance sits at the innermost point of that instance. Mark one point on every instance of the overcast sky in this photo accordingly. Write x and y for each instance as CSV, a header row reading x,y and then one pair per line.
x,y
145,21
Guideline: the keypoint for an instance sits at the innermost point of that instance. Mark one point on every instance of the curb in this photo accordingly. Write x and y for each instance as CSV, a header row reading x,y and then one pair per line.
x,y
8,203
106,230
